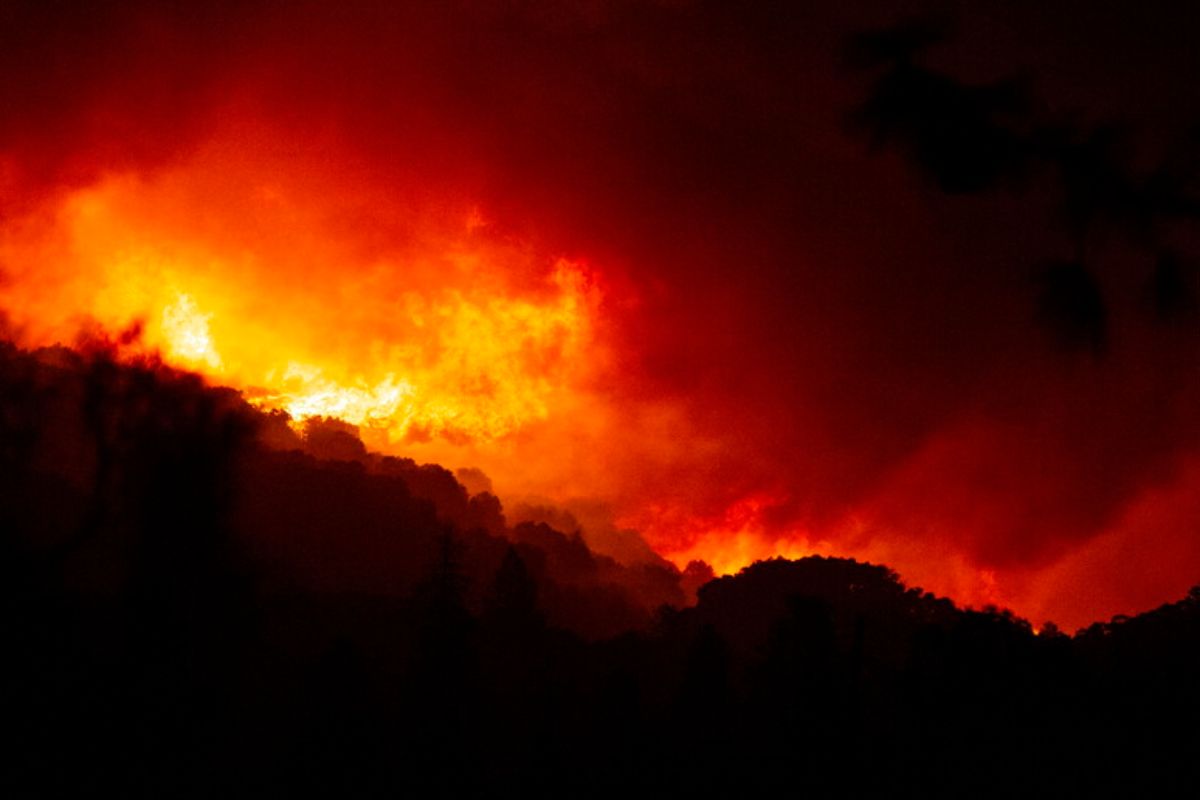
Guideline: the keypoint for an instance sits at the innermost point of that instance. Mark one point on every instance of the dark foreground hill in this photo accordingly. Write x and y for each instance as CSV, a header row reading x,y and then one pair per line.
x,y
197,602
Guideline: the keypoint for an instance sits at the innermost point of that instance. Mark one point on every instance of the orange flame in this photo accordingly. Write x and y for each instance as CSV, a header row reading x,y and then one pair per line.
x,y
450,331
728,541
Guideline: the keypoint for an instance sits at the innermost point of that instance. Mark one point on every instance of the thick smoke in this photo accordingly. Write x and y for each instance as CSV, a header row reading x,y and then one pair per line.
x,y
992,391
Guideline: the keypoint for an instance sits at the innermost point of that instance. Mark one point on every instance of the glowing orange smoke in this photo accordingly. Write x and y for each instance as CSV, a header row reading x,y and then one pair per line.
x,y
728,541
247,274
318,292
741,534
438,335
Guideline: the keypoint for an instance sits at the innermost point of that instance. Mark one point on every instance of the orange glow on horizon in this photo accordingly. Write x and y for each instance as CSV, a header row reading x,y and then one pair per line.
x,y
727,542
741,534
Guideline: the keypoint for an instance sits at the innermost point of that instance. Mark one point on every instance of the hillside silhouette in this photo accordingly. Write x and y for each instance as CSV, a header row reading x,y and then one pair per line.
x,y
199,602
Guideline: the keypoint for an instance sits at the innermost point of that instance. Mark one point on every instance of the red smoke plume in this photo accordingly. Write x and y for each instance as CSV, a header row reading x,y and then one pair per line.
x,y
621,258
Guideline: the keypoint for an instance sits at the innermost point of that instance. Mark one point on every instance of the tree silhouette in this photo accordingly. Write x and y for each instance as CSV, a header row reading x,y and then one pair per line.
x,y
141,659
443,687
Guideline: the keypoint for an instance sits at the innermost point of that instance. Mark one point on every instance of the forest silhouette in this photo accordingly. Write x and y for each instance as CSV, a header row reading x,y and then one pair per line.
x,y
195,603
198,600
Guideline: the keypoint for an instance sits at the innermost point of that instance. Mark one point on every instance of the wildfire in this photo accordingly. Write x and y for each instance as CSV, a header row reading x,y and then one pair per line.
x,y
450,331
727,541
440,337
185,330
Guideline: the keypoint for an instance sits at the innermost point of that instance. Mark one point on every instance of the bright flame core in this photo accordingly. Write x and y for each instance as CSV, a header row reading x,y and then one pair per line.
x,y
185,330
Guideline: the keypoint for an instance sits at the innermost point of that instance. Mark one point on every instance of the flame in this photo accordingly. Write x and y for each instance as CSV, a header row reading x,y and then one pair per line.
x,y
450,331
727,541
185,330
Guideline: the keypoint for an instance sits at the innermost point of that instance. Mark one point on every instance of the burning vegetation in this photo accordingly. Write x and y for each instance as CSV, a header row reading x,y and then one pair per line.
x,y
431,398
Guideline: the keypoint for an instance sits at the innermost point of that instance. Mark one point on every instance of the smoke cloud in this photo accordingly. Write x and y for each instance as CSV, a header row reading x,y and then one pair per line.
x,y
937,357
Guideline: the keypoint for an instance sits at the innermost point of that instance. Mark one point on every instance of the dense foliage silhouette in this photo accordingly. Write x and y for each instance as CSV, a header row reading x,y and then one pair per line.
x,y
191,609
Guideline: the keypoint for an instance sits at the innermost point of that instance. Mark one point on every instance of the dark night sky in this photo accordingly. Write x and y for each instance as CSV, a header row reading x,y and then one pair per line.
x,y
841,337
